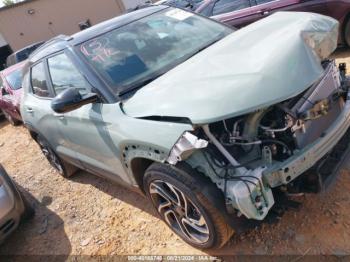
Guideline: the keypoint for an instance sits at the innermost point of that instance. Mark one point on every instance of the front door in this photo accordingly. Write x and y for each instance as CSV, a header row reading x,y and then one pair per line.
x,y
84,129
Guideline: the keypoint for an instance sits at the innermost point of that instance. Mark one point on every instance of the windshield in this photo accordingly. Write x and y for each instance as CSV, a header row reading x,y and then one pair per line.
x,y
15,79
132,55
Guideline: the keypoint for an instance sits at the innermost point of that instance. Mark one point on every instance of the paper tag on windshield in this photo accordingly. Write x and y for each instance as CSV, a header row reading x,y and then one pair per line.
x,y
178,14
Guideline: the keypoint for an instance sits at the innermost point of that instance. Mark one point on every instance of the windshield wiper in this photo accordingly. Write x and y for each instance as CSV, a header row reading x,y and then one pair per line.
x,y
204,47
139,85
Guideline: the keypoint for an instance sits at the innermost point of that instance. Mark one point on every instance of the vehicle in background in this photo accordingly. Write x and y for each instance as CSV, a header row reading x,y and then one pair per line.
x,y
11,92
22,54
14,208
184,4
239,13
212,125
191,5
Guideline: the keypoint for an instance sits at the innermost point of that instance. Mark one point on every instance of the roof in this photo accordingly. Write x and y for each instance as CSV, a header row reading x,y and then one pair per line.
x,y
61,42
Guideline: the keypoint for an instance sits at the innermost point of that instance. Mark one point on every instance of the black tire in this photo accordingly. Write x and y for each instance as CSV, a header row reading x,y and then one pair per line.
x,y
63,168
347,33
213,231
11,120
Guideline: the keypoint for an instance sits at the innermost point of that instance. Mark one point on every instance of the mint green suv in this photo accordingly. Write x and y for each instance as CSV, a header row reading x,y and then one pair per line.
x,y
214,126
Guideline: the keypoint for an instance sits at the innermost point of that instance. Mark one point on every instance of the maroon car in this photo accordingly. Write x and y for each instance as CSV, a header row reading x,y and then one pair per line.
x,y
239,13
11,93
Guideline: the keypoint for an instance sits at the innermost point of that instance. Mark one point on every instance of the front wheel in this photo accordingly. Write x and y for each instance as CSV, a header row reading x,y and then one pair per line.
x,y
177,196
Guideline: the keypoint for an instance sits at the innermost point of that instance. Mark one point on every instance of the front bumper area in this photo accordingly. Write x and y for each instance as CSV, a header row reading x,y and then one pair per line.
x,y
11,206
327,169
284,172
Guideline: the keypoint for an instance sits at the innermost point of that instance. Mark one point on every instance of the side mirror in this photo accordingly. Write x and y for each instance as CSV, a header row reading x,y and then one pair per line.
x,y
70,99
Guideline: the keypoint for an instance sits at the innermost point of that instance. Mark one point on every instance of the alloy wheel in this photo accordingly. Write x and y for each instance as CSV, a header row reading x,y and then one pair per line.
x,y
179,212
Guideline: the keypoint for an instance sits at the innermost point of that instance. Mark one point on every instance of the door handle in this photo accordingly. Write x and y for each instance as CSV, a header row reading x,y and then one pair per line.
x,y
265,12
60,116
30,110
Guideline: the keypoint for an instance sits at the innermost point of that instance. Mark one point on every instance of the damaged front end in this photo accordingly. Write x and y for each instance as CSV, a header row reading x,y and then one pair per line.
x,y
250,156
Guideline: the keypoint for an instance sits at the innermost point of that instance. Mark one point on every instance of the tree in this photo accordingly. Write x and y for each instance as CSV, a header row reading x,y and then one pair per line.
x,y
8,2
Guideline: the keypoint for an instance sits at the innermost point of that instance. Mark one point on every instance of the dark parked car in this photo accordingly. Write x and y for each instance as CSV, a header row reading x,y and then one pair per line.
x,y
14,208
22,54
11,93
239,13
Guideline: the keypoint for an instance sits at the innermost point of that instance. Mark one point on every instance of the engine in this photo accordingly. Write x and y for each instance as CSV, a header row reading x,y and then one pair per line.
x,y
274,133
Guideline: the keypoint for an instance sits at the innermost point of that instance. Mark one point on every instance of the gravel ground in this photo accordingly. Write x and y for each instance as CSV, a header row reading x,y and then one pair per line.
x,y
91,216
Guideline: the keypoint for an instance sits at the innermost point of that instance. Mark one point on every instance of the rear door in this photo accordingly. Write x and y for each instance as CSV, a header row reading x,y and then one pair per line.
x,y
84,129
37,106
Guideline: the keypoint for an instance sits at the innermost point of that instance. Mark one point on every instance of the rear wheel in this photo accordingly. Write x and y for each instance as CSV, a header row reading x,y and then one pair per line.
x,y
11,120
63,168
177,196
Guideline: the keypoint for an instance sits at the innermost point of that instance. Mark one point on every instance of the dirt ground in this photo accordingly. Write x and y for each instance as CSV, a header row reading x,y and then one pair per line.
x,y
91,216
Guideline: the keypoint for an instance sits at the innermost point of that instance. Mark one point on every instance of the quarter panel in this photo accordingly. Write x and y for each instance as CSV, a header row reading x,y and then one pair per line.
x,y
99,134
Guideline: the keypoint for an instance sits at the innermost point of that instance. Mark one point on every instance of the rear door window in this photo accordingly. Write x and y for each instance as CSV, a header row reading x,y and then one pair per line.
x,y
65,75
39,83
207,10
226,6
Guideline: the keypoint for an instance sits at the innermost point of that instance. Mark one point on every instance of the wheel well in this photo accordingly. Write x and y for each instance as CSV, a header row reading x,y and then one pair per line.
x,y
33,134
138,168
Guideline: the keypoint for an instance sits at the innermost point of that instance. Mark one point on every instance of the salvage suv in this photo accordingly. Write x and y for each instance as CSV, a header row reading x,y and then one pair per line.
x,y
214,126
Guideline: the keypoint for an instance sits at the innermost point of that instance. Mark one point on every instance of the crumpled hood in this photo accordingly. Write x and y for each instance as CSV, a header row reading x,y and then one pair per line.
x,y
262,64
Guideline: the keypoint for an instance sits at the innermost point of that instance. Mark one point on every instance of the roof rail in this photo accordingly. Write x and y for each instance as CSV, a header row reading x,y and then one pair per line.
x,y
53,40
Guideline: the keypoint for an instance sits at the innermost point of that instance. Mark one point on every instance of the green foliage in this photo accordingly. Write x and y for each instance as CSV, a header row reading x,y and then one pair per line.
x,y
8,2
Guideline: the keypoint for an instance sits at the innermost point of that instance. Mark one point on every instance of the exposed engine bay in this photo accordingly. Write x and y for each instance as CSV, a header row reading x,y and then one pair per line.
x,y
249,155
274,133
